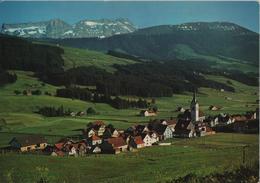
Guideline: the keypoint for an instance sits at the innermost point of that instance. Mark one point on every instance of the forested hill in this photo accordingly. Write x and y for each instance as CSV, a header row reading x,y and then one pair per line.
x,y
18,53
190,40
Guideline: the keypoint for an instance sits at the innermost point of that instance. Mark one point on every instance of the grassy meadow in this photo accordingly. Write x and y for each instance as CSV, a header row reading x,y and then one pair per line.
x,y
201,156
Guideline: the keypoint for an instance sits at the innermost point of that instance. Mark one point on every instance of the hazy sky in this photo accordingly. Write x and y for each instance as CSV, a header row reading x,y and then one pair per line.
x,y
142,14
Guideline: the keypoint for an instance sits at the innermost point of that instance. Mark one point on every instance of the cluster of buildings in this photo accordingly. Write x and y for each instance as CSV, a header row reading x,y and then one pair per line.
x,y
98,137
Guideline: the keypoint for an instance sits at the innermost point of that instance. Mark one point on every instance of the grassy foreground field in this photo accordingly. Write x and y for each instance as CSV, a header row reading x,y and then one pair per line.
x,y
201,156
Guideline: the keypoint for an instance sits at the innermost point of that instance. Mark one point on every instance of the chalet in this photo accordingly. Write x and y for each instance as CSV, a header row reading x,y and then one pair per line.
x,y
99,127
118,144
214,108
147,113
95,140
148,141
72,151
115,133
184,128
95,149
154,137
204,130
89,132
164,132
28,143
180,109
171,124
135,142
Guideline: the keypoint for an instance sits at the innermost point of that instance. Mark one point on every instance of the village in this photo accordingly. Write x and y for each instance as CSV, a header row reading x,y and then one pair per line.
x,y
99,137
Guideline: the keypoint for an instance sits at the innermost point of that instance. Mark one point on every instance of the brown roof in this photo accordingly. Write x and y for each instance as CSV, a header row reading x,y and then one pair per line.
x,y
94,137
138,140
117,142
98,123
29,140
171,122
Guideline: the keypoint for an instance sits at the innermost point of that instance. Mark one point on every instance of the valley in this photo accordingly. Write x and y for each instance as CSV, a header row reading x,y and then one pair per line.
x,y
64,88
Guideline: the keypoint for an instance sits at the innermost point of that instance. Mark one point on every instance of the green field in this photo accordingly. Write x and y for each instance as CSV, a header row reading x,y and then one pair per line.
x,y
18,111
74,57
201,156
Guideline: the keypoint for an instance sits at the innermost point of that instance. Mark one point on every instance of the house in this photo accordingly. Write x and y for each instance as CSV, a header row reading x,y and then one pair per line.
x,y
28,143
180,109
147,113
99,127
72,151
135,142
154,137
147,139
118,144
214,108
204,130
95,149
171,124
115,133
95,140
164,132
184,128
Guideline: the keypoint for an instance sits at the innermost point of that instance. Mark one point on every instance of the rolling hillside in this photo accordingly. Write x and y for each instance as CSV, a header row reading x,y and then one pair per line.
x,y
221,43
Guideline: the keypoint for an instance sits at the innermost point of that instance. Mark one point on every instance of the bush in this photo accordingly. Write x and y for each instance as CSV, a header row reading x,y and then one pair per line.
x,y
36,92
17,92
90,110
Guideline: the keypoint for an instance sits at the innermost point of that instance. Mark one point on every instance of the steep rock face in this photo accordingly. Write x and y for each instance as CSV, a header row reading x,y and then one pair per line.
x,y
58,29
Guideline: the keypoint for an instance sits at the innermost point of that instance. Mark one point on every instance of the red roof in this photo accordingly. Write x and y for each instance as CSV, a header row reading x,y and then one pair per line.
x,y
138,140
117,142
171,122
94,137
98,123
59,145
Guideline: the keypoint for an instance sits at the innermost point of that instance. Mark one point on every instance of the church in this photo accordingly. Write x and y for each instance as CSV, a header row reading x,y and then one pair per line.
x,y
195,112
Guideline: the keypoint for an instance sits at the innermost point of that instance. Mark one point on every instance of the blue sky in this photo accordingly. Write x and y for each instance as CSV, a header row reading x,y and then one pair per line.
x,y
142,14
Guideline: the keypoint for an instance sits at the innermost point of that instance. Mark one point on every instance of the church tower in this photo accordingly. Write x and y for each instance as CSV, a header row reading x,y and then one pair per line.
x,y
194,109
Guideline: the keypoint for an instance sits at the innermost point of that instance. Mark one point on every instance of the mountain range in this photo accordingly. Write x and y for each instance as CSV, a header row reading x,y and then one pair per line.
x,y
198,40
59,29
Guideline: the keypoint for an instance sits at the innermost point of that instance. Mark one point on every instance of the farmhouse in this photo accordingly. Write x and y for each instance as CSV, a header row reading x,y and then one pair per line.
x,y
147,113
95,140
118,144
214,108
135,142
164,132
28,143
147,139
185,128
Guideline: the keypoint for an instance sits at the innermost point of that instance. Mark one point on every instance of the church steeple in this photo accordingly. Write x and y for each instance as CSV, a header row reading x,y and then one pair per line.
x,y
194,100
194,108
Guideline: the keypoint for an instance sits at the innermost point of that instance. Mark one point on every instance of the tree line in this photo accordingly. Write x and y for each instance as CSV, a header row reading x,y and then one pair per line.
x,y
88,95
